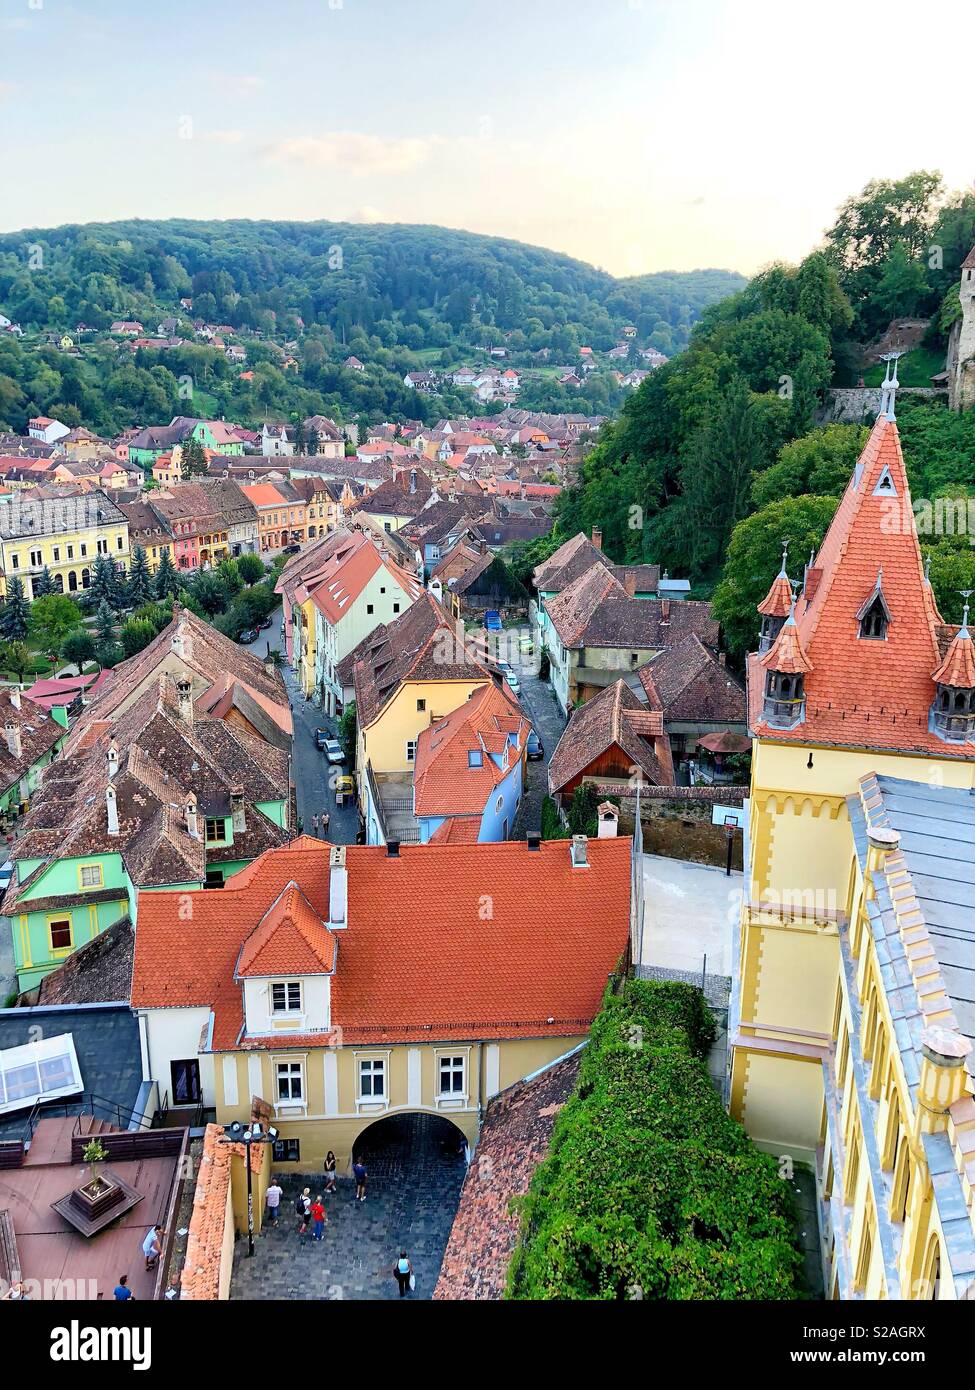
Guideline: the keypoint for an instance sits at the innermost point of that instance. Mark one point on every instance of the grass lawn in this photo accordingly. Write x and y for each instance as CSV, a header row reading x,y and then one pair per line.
x,y
915,368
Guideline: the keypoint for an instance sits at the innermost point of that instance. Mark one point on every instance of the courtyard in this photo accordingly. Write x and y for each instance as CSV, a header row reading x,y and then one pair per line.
x,y
416,1172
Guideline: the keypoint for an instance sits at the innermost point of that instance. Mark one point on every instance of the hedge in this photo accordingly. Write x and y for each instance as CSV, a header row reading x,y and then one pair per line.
x,y
649,1189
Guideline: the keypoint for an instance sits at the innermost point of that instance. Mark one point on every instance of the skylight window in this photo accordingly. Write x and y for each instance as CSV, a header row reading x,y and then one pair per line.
x,y
42,1070
475,758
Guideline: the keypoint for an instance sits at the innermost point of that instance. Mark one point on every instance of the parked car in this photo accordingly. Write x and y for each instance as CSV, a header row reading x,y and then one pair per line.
x,y
291,550
333,750
510,676
536,749
6,874
265,624
492,620
249,634
321,738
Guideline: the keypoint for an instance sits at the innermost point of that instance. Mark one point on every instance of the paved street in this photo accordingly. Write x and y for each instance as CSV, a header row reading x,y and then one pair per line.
x,y
539,703
412,1195
310,768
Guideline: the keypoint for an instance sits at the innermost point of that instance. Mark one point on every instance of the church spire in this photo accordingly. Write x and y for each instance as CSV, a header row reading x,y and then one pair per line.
x,y
889,385
775,606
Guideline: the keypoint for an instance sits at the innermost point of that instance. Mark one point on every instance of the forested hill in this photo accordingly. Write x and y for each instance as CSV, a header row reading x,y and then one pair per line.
x,y
413,287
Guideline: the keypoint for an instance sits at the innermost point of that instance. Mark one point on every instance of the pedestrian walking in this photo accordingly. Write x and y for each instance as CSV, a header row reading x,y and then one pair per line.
x,y
361,1176
330,1174
303,1213
403,1273
273,1198
319,1218
314,826
326,822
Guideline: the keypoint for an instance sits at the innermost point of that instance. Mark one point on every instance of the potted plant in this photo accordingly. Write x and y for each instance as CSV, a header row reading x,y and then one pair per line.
x,y
94,1154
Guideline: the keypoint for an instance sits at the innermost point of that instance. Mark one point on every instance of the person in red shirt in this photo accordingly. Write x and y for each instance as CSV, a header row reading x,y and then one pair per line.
x,y
318,1217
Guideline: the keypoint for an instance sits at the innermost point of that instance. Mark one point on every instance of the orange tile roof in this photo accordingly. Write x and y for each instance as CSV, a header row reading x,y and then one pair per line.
x,y
418,959
859,692
444,783
778,600
263,495
200,1278
290,939
958,667
786,652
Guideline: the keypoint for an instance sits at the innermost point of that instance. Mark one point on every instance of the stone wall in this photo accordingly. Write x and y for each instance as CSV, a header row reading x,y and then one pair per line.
x,y
677,821
858,405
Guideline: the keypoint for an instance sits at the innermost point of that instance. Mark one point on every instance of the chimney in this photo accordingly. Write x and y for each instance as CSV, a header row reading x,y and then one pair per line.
x,y
597,537
609,816
665,610
534,840
392,849
237,809
722,658
192,829
629,583
483,547
112,758
183,642
12,731
111,807
338,887
577,851
15,696
412,480
184,691
944,1077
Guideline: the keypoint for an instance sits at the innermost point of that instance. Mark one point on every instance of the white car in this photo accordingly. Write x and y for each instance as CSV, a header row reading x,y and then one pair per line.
x,y
510,676
333,750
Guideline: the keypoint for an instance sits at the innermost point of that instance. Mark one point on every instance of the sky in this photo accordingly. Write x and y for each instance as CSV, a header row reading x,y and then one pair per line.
x,y
637,135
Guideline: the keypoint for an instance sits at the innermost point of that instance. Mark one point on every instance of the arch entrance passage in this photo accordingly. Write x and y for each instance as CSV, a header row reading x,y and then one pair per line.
x,y
412,1144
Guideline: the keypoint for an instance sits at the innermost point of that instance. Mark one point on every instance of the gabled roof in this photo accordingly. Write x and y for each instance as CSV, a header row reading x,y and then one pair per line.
x,y
444,782
290,939
691,684
614,717
862,692
573,558
596,611
415,962
421,644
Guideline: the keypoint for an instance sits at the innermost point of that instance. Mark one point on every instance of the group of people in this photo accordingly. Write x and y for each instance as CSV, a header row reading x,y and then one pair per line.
x,y
325,823
312,1218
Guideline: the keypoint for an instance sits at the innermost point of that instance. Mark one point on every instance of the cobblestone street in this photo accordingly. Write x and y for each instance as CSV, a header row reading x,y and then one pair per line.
x,y
415,1177
538,702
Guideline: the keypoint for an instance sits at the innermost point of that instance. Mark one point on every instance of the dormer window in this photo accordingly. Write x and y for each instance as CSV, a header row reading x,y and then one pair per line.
x,y
873,615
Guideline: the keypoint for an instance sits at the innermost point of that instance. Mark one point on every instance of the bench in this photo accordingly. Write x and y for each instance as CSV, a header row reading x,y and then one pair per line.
x,y
9,1255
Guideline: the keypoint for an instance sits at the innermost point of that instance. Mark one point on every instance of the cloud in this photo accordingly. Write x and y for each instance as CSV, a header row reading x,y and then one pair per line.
x,y
351,151
223,137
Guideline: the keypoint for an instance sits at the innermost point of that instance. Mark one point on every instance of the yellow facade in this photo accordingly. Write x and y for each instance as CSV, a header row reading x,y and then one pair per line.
x,y
334,1114
817,1074
387,741
69,555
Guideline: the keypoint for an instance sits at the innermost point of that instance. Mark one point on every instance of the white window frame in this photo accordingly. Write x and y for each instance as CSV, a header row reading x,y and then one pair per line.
x,y
295,1069
288,987
411,750
374,1059
452,1100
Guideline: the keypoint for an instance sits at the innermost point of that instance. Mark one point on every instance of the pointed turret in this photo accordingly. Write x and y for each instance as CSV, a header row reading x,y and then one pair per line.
x,y
953,711
889,385
775,606
786,667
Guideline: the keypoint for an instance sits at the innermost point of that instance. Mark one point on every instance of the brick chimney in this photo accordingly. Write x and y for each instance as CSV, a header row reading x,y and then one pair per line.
x,y
237,811
629,583
665,610
597,537
184,692
111,808
12,732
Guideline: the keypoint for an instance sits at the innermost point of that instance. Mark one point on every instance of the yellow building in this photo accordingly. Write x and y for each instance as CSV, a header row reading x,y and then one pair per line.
x,y
344,985
848,1046
64,534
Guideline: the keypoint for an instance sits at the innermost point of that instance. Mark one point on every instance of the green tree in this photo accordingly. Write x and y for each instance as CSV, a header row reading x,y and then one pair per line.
x,y
78,648
250,568
104,587
15,614
210,593
820,462
136,633
44,584
166,580
229,575
754,558
105,624
193,459
16,658
52,619
138,586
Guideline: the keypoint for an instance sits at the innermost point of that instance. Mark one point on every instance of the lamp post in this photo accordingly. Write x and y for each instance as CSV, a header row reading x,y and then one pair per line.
x,y
255,1133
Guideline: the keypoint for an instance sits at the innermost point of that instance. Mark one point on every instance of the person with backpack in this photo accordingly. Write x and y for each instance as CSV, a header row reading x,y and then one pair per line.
x,y
403,1273
303,1213
360,1174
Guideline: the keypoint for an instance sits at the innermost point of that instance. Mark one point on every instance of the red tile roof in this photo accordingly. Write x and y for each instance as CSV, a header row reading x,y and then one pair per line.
x,y
862,692
418,958
444,783
614,718
290,939
958,667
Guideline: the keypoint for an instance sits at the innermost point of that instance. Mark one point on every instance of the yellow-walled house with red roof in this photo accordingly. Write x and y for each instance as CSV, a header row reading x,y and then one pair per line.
x,y
853,1009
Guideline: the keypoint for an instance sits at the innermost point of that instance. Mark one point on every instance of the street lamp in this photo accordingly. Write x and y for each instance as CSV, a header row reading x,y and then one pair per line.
x,y
254,1134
